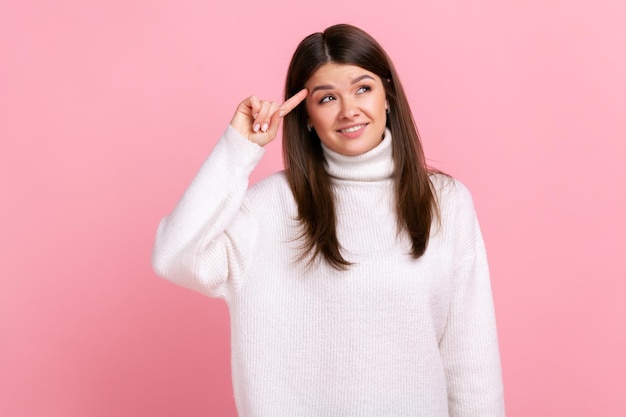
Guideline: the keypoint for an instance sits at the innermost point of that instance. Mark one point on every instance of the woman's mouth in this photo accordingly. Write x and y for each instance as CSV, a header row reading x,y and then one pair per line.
x,y
353,129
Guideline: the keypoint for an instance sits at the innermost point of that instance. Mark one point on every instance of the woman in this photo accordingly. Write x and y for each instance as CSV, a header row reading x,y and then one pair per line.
x,y
356,279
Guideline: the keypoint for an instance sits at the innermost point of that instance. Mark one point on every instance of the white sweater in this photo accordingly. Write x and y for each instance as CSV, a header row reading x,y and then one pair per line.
x,y
391,336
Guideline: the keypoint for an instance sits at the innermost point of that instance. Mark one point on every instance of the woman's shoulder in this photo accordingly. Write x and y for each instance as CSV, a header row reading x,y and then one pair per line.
x,y
276,182
271,191
450,192
444,184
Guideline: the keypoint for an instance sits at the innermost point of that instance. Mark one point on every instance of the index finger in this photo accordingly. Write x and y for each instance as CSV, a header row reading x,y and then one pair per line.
x,y
292,102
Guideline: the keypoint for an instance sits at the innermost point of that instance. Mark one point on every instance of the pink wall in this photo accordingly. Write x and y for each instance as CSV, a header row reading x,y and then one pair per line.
x,y
107,108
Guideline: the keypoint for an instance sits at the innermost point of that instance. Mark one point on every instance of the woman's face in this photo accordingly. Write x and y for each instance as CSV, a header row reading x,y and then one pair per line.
x,y
347,107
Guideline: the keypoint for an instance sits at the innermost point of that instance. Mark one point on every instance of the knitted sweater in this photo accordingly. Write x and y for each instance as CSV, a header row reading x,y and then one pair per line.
x,y
390,336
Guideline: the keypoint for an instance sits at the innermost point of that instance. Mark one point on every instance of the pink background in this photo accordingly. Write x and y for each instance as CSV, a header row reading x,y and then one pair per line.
x,y
107,109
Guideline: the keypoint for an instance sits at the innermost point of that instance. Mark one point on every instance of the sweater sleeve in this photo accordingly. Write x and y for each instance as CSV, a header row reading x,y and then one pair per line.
x,y
205,241
469,346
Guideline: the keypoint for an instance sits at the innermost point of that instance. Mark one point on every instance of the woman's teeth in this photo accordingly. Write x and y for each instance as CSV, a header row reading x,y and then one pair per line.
x,y
352,129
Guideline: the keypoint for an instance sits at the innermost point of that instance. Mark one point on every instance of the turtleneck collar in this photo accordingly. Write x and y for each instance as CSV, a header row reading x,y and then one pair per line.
x,y
373,165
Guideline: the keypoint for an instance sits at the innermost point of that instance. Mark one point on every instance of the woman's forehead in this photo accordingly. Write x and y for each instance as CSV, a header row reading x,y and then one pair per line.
x,y
332,73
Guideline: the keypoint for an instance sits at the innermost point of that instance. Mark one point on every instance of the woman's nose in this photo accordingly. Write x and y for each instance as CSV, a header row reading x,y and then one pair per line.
x,y
349,109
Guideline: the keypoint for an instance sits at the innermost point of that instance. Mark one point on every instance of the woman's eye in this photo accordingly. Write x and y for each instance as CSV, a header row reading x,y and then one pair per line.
x,y
364,89
326,99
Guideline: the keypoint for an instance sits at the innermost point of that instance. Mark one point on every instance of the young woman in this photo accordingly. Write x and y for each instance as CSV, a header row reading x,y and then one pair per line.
x,y
356,279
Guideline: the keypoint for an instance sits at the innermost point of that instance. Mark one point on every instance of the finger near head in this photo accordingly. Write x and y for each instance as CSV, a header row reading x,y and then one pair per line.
x,y
293,101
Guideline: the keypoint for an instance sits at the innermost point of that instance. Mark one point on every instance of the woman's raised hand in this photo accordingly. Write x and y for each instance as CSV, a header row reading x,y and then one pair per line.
x,y
258,120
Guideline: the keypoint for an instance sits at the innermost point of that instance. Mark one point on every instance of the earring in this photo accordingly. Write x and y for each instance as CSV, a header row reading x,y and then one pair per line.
x,y
308,127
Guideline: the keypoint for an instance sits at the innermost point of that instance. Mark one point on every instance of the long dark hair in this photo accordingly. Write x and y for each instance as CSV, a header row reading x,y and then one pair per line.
x,y
304,159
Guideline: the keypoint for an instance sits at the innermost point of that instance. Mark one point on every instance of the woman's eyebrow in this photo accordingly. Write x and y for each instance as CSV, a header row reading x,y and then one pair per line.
x,y
321,87
362,77
330,87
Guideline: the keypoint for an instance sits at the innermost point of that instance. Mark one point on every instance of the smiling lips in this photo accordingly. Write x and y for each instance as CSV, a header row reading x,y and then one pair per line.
x,y
353,129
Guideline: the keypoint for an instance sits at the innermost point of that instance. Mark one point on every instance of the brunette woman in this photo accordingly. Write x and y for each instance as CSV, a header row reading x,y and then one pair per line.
x,y
356,278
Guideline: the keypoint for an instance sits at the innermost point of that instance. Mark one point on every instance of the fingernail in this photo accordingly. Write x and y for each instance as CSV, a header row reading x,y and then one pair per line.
x,y
264,127
256,127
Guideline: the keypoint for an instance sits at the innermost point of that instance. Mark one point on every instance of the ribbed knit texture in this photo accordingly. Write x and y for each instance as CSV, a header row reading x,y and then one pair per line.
x,y
391,336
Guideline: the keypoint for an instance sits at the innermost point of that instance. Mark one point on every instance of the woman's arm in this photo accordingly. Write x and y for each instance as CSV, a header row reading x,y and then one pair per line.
x,y
469,347
192,248
205,241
